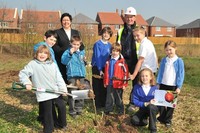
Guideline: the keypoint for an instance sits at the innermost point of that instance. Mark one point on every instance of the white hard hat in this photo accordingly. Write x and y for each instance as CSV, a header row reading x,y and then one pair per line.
x,y
130,11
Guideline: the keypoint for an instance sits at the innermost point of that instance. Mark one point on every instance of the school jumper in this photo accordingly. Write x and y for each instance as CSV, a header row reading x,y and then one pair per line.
x,y
101,53
140,117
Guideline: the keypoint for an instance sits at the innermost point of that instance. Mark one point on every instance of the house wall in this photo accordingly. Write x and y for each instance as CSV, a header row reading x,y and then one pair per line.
x,y
13,23
115,30
163,32
188,32
89,29
88,34
38,28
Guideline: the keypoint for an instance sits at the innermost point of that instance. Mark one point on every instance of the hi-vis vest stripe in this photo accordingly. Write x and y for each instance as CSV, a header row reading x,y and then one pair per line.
x,y
119,40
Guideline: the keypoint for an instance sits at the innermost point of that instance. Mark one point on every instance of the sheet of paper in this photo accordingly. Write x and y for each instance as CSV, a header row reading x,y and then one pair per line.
x,y
81,94
160,99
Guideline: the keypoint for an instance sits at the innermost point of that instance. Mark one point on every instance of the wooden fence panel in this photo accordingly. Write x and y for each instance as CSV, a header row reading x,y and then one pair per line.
x,y
13,38
178,40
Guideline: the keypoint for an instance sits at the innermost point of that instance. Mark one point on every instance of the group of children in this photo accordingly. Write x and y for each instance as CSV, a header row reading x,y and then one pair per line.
x,y
115,75
109,64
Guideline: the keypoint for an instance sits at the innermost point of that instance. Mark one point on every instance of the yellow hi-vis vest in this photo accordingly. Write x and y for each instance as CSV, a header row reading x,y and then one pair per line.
x,y
119,40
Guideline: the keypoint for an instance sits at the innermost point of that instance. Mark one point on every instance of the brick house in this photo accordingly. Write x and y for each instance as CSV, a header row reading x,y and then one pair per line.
x,y
9,20
142,22
191,29
159,27
85,25
111,19
38,22
116,20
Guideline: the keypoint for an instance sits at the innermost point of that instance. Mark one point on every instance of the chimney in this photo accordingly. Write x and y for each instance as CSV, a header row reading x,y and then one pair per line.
x,y
122,13
117,10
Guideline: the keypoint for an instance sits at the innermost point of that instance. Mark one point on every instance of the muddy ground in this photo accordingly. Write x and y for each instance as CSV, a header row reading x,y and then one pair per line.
x,y
186,117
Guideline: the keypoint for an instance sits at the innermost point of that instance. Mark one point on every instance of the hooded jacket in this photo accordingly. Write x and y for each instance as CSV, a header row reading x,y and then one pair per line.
x,y
75,64
44,75
120,73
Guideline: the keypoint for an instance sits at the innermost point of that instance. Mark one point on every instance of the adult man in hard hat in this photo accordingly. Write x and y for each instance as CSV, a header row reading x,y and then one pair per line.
x,y
127,41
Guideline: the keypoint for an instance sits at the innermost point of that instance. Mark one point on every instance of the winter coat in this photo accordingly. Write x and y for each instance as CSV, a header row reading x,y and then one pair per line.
x,y
120,73
43,75
75,65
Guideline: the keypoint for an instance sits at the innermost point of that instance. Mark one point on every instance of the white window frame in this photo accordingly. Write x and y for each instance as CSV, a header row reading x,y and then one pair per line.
x,y
158,28
29,25
89,26
50,26
4,24
117,27
169,29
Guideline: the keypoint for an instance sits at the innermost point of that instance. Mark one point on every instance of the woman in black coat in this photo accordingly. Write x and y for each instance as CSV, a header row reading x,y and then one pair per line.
x,y
63,41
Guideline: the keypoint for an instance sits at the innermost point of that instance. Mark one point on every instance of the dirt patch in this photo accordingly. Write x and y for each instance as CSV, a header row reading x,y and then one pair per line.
x,y
117,124
186,116
8,77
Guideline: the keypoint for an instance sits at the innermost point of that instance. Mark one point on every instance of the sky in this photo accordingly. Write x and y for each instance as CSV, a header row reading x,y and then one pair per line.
x,y
176,12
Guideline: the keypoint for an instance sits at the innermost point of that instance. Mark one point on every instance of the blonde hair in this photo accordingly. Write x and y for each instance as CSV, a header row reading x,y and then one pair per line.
x,y
43,48
141,29
116,46
152,81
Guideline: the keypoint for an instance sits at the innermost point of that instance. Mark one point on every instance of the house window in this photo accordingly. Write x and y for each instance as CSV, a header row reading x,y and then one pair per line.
x,y
116,27
89,26
50,26
158,28
4,24
169,29
29,25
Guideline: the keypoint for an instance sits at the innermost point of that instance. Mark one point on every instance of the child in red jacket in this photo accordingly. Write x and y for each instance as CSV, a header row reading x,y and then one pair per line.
x,y
115,80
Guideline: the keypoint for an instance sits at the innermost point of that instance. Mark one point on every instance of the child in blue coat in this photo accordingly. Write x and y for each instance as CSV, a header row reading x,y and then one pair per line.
x,y
74,59
50,38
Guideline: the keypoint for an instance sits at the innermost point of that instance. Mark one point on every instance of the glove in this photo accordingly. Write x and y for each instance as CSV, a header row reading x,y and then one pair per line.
x,y
79,85
91,94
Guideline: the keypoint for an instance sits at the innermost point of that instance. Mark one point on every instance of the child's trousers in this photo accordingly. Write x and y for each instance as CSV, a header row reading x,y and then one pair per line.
x,y
75,106
140,117
48,114
114,97
99,89
166,113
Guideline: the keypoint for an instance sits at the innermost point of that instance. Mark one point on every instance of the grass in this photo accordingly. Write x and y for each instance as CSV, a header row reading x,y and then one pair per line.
x,y
19,109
